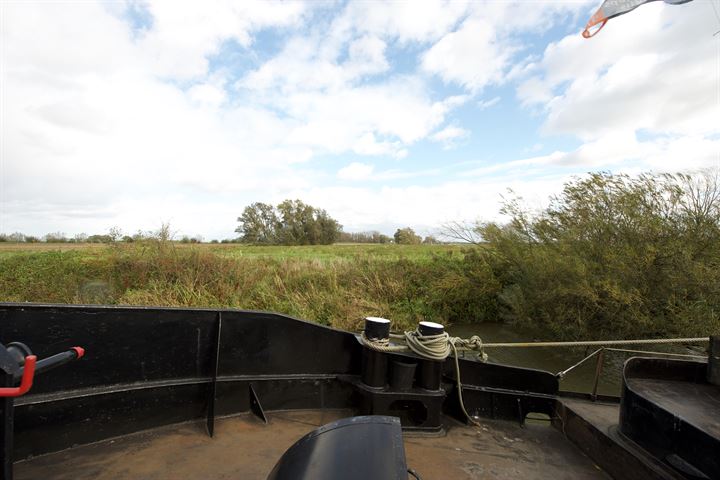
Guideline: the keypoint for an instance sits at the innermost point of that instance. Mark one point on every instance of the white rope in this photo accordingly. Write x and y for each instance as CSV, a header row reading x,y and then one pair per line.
x,y
439,347
431,347
597,343
562,373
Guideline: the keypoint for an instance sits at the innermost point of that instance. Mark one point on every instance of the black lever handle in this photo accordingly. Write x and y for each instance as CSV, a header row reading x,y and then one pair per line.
x,y
54,361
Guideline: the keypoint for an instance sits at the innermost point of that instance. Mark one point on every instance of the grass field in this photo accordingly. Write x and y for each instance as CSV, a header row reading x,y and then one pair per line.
x,y
335,284
339,251
555,294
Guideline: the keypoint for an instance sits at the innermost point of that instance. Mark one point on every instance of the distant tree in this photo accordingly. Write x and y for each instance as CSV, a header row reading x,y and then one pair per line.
x,y
296,223
16,237
407,236
127,239
98,239
140,236
329,228
364,237
80,238
31,239
115,234
430,240
292,222
163,234
3,237
258,224
56,237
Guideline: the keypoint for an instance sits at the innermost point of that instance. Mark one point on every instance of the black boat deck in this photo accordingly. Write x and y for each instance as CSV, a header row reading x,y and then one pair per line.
x,y
245,448
697,403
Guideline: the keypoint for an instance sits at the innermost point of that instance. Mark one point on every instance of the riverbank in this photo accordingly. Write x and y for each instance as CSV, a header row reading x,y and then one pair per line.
x,y
335,285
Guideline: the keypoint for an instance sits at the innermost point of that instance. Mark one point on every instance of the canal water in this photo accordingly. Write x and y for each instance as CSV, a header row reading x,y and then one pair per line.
x,y
556,359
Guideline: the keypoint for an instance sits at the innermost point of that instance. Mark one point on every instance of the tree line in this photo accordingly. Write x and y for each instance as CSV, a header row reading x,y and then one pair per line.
x,y
291,222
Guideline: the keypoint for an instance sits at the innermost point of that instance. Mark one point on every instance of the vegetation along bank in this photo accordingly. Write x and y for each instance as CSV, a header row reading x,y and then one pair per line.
x,y
611,256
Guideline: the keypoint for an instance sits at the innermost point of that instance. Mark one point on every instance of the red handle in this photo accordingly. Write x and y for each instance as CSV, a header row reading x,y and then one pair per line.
x,y
25,383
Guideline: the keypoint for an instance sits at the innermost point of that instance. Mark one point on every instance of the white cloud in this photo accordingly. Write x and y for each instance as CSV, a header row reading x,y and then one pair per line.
x,y
427,207
654,69
450,135
485,104
185,33
105,125
619,150
355,171
416,21
481,50
471,56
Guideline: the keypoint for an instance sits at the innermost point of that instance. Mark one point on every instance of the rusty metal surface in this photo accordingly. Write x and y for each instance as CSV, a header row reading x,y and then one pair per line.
x,y
245,448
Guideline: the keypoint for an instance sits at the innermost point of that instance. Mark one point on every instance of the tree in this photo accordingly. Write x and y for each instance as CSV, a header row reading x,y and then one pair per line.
x,y
612,255
56,237
258,224
462,232
115,234
407,236
292,222
364,237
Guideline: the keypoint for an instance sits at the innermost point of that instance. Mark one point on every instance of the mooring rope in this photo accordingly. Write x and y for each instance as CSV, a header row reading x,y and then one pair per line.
x,y
431,347
597,343
562,373
439,347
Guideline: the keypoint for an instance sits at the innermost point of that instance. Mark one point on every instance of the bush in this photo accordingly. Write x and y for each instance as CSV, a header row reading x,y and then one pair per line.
x,y
613,256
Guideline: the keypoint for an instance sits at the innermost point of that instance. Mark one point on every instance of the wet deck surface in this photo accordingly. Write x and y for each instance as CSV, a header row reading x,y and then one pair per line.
x,y
698,404
602,415
245,448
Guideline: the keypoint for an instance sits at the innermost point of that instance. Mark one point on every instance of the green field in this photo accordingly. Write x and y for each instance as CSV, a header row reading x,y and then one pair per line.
x,y
334,284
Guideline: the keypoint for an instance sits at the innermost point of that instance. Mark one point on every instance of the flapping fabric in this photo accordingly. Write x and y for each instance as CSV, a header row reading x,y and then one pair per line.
x,y
613,8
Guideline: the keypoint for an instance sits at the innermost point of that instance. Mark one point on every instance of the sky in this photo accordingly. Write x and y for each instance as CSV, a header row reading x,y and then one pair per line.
x,y
385,114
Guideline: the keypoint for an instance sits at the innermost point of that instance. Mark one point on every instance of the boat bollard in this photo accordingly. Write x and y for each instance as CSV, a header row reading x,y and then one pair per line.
x,y
430,370
402,375
713,368
374,367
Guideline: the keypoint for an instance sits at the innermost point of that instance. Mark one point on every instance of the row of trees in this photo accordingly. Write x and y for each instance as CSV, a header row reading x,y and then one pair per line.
x,y
291,222
402,236
59,237
364,237
114,235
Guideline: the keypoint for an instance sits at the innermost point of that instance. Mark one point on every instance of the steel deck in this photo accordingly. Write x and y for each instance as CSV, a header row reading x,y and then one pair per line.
x,y
245,448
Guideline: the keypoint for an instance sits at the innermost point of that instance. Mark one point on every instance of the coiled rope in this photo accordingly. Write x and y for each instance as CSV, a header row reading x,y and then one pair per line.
x,y
439,347
431,347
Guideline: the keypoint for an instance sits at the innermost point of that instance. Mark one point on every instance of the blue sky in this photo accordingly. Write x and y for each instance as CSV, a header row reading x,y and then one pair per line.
x,y
386,114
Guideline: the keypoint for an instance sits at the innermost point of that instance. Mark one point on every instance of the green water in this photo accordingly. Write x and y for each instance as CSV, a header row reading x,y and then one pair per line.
x,y
554,359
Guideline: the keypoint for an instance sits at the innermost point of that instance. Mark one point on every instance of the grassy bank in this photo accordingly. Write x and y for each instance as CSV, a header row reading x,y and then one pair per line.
x,y
551,291
333,285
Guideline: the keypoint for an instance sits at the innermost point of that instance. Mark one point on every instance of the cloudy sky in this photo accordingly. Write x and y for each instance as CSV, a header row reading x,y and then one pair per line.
x,y
131,114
